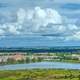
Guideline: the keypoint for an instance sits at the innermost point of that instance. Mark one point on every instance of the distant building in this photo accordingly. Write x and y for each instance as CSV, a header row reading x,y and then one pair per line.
x,y
3,58
18,57
76,56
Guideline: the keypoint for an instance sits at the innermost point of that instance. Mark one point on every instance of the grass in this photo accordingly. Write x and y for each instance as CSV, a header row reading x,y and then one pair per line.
x,y
40,74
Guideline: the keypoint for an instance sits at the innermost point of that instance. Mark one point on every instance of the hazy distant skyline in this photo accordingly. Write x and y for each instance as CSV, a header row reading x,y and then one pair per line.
x,y
23,22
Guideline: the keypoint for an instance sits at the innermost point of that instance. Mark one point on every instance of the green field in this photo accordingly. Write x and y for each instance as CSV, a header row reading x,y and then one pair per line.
x,y
40,74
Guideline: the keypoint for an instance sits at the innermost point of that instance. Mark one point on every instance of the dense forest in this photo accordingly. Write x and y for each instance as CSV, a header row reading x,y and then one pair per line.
x,y
42,49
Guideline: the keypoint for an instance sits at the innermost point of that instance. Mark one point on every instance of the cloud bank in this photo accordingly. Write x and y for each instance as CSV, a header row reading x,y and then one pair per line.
x,y
40,21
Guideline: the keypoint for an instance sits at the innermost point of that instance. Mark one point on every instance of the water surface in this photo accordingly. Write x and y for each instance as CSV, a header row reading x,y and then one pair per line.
x,y
42,65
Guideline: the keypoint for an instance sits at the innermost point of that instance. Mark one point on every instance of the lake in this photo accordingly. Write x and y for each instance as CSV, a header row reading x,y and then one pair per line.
x,y
42,65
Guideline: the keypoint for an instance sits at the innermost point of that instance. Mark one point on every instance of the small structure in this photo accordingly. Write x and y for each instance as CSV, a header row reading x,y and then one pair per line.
x,y
76,56
17,57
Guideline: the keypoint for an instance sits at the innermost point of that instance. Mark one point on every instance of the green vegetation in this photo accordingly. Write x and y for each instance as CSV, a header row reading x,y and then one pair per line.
x,y
40,74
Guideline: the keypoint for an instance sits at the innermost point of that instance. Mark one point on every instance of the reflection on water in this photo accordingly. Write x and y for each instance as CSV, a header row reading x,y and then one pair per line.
x,y
42,65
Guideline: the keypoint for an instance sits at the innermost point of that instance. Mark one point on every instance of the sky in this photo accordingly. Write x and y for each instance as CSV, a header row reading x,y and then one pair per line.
x,y
30,23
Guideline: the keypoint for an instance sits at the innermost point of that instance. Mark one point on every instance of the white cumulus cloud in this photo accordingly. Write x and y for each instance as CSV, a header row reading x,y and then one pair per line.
x,y
40,18
38,21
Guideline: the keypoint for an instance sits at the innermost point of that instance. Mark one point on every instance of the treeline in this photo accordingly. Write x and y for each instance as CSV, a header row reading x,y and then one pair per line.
x,y
38,50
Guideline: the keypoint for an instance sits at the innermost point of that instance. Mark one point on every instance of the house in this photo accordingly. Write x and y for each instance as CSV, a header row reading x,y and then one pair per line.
x,y
76,56
3,58
17,57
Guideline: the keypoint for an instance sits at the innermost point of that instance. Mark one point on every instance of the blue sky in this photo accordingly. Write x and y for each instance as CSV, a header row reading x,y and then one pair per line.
x,y
39,23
